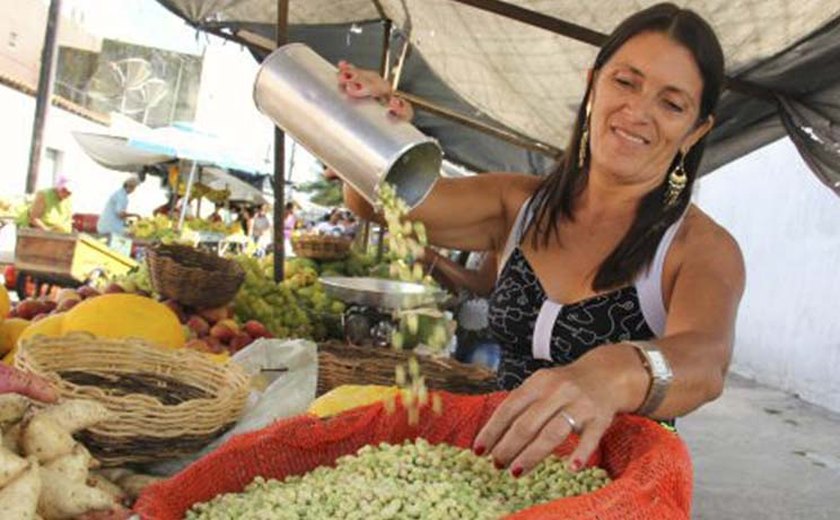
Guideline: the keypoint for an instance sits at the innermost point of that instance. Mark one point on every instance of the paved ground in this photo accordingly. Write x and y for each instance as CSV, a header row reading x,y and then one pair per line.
x,y
759,453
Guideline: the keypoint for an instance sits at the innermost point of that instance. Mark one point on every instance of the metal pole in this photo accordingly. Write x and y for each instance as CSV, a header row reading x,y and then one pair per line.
x,y
45,89
186,200
279,157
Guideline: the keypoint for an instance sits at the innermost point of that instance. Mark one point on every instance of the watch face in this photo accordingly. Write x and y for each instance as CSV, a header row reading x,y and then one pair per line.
x,y
659,365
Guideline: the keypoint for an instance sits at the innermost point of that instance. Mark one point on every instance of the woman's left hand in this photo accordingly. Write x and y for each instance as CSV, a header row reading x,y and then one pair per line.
x,y
582,397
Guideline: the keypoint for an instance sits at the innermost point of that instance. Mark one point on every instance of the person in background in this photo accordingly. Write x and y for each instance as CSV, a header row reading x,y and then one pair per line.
x,y
289,220
113,217
216,216
330,226
473,283
50,210
261,224
616,294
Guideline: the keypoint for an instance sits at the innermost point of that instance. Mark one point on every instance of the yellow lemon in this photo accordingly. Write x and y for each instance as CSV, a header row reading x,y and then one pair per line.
x,y
49,326
123,315
10,330
345,397
5,303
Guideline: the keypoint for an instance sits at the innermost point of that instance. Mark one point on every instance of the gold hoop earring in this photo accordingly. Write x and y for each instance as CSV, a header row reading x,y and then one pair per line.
x,y
677,181
584,136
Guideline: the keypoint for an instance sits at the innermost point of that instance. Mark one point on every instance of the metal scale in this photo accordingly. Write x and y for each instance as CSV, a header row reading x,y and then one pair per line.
x,y
372,303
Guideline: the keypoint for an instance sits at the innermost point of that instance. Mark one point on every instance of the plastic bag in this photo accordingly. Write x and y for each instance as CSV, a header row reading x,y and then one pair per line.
x,y
285,377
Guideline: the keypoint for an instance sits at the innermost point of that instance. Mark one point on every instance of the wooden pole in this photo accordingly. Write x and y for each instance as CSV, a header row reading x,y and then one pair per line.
x,y
45,89
280,157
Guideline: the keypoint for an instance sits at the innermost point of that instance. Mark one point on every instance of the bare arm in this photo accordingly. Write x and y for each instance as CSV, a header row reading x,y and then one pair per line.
x,y
456,276
611,379
36,213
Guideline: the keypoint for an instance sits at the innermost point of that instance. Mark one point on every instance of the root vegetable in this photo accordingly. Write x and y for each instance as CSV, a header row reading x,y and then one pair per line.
x,y
115,474
19,498
11,439
10,466
45,439
12,407
77,414
74,466
98,481
62,498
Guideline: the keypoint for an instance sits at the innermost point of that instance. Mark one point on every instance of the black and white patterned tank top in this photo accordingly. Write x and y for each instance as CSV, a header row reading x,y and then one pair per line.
x,y
536,332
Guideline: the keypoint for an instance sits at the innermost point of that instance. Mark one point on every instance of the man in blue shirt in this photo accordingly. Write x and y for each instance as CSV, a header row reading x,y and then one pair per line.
x,y
112,220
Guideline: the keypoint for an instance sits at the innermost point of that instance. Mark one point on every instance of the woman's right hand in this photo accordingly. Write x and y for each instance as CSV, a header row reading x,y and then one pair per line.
x,y
362,83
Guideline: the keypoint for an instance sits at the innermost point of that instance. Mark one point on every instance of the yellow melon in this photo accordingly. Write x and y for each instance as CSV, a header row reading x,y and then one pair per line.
x,y
5,302
124,315
10,330
49,326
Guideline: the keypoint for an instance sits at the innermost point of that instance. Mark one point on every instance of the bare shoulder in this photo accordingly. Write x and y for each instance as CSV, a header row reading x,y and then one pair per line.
x,y
515,189
704,242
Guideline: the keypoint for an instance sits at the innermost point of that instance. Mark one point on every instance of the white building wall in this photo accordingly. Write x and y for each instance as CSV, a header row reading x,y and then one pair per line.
x,y
94,184
788,226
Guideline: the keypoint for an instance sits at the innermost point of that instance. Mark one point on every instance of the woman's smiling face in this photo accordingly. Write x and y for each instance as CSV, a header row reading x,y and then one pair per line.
x,y
646,104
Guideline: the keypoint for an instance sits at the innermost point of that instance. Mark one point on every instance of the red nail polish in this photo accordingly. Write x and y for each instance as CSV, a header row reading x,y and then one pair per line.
x,y
347,75
517,471
480,449
357,86
576,464
498,464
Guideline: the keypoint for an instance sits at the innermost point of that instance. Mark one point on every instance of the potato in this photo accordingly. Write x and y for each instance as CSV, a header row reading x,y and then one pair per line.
x,y
19,498
77,414
12,407
62,498
43,438
10,466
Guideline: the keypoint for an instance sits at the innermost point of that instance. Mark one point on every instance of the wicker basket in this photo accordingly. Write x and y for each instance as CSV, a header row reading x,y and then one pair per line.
x,y
343,364
165,403
321,247
193,277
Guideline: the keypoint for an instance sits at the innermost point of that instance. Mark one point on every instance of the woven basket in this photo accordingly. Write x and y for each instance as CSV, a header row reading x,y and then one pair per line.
x,y
321,247
343,364
193,277
165,403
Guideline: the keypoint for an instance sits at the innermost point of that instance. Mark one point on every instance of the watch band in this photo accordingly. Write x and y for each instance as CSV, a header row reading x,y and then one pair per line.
x,y
660,372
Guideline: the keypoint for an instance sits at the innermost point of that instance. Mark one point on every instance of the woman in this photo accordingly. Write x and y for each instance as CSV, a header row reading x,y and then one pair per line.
x,y
605,252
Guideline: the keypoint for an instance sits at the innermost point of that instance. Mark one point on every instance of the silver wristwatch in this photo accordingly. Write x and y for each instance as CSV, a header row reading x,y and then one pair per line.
x,y
660,372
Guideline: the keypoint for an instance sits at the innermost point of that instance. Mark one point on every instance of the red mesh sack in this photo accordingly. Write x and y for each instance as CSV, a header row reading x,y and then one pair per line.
x,y
650,465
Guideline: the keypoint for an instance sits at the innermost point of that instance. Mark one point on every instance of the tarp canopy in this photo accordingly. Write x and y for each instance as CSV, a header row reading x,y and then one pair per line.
x,y
514,70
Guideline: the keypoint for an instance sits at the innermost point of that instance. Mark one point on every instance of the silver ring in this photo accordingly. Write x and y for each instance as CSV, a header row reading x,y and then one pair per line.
x,y
570,420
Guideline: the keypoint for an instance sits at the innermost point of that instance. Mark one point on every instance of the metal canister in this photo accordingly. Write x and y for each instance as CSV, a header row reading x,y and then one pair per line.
x,y
299,91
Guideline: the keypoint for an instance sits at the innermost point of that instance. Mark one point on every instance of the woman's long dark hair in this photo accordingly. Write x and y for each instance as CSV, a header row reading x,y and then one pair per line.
x,y
555,198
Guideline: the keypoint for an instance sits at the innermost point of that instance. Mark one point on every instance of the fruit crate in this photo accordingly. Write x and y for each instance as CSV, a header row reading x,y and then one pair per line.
x,y
70,256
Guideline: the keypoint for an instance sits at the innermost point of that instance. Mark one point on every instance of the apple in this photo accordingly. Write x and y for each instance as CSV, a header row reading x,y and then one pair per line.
x,y
47,306
67,304
256,329
229,323
64,294
198,344
222,332
199,325
214,315
86,291
216,346
114,288
239,341
28,308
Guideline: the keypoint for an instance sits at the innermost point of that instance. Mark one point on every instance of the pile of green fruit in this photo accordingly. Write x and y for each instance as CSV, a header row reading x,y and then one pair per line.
x,y
411,480
297,307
